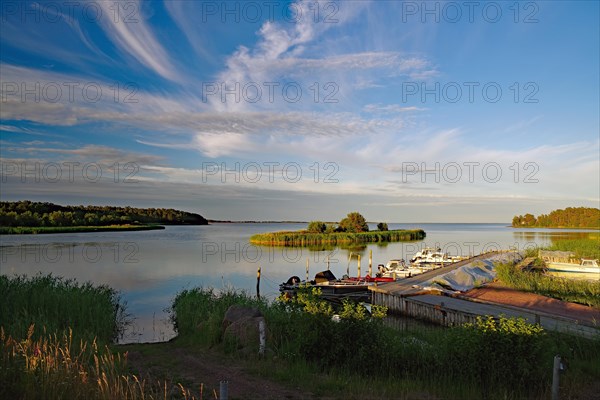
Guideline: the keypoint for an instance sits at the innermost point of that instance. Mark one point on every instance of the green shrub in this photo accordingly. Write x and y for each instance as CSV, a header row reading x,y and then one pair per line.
x,y
317,227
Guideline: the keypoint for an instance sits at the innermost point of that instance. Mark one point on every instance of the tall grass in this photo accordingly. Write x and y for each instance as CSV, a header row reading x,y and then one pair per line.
x,y
502,358
577,291
583,248
56,367
198,313
59,305
53,343
304,238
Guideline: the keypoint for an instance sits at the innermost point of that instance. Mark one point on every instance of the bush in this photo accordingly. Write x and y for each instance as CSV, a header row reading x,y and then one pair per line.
x,y
317,227
354,223
382,226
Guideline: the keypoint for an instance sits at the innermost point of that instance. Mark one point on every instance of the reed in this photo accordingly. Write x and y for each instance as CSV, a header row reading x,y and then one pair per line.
x,y
58,367
54,335
305,238
59,305
583,248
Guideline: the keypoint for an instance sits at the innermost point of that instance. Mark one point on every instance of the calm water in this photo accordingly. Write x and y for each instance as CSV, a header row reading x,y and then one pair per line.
x,y
150,267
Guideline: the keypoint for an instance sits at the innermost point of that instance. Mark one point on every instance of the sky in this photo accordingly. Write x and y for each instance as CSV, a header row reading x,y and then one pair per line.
x,y
272,110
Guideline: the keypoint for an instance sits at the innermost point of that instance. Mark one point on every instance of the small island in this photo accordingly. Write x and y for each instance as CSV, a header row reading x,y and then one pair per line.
x,y
571,217
27,217
352,229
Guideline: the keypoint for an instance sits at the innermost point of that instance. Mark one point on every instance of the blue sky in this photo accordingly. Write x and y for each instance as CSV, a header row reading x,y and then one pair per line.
x,y
404,111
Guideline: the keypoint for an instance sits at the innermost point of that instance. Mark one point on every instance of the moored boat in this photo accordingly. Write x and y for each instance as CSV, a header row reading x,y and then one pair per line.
x,y
586,269
431,256
330,286
398,269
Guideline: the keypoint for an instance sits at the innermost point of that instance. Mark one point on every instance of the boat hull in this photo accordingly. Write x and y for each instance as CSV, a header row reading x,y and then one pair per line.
x,y
573,268
574,271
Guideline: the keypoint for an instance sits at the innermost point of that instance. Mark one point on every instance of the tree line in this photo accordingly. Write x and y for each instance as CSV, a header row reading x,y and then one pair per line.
x,y
353,223
33,214
571,217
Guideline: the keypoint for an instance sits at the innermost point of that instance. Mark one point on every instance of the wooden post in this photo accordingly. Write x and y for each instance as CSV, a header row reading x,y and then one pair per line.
x,y
262,338
370,262
258,283
223,390
359,265
348,265
556,377
307,270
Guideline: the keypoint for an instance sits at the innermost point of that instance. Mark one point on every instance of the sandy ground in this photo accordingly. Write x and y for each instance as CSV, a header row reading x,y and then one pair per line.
x,y
500,294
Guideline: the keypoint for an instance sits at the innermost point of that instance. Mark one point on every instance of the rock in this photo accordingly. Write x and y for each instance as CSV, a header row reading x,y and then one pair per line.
x,y
236,312
241,328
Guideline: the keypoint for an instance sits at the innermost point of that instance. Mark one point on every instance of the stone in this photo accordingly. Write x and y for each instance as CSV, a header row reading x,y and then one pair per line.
x,y
241,327
236,312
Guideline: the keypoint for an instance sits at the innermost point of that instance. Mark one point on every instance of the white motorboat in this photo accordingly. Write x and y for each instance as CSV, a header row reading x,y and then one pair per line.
x,y
433,256
586,269
399,269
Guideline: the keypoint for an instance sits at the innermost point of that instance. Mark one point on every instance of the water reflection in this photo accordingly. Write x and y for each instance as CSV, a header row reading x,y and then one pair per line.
x,y
150,267
552,235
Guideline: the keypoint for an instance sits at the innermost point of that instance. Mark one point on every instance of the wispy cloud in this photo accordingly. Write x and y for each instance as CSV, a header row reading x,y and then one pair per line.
x,y
138,40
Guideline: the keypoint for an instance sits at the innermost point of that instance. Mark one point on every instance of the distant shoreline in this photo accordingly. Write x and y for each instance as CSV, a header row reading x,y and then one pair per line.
x,y
36,230
554,227
215,221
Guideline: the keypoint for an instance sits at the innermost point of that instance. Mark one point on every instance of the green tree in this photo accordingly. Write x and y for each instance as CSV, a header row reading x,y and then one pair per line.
x,y
330,228
354,222
317,227
382,226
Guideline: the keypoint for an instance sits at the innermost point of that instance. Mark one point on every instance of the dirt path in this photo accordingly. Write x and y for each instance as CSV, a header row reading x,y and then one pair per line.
x,y
497,293
194,368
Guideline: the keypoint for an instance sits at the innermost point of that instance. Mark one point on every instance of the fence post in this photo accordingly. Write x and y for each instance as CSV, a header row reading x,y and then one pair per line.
x,y
223,390
556,377
262,338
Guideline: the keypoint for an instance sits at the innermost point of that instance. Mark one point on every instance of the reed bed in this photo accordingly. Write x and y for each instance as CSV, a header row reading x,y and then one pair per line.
x,y
57,367
60,304
583,248
305,238
54,337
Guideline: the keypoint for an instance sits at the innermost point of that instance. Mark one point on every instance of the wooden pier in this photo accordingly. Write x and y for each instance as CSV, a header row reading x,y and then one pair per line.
x,y
407,297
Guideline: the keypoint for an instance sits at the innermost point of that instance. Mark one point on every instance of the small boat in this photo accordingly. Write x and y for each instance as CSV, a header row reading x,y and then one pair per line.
x,y
398,269
330,286
433,256
586,269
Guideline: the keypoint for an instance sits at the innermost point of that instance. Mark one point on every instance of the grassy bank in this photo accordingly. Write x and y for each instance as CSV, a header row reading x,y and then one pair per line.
x,y
304,238
25,230
57,305
576,291
54,337
491,359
